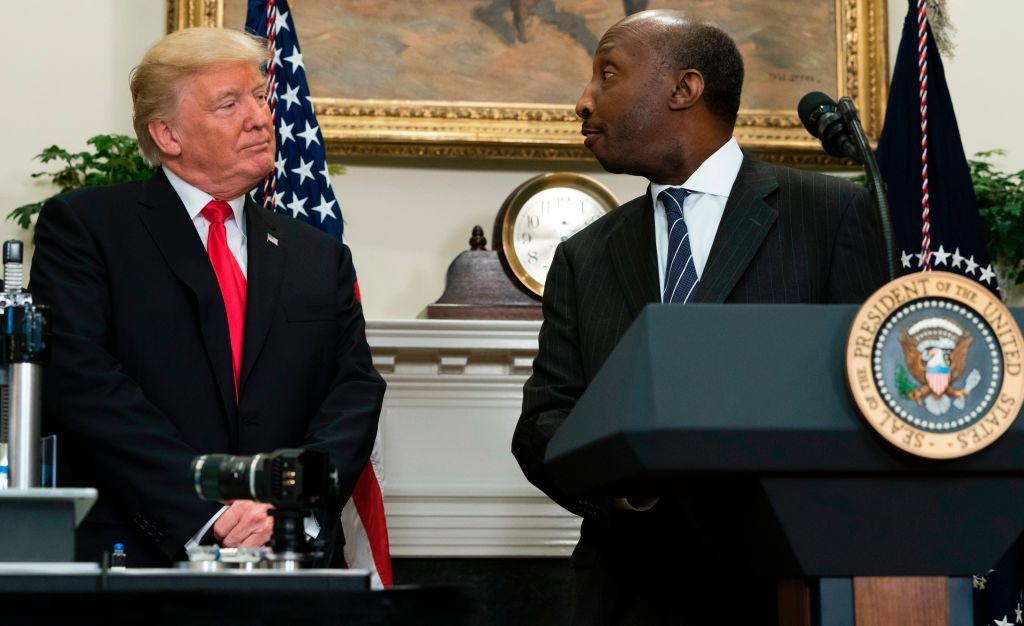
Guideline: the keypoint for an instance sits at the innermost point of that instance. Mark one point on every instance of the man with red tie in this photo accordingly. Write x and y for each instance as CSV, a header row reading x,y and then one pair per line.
x,y
187,320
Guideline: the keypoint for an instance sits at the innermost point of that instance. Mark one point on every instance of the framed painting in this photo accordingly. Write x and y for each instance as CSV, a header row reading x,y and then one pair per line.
x,y
499,78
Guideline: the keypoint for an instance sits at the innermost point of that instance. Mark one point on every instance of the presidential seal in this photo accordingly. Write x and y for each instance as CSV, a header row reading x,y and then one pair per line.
x,y
935,363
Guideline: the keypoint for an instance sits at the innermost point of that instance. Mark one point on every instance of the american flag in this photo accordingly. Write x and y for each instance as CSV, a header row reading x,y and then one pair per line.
x,y
300,186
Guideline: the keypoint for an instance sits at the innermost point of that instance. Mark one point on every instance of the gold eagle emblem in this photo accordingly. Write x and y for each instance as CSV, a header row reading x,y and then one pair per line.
x,y
935,352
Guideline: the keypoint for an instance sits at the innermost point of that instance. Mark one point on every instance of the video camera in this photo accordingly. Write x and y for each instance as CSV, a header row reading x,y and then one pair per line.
x,y
295,481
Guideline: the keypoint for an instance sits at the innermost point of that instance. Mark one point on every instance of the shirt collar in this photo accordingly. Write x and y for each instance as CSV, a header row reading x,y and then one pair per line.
x,y
195,199
716,174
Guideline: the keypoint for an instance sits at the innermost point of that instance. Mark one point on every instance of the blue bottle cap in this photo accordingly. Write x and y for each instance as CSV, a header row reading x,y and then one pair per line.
x,y
118,547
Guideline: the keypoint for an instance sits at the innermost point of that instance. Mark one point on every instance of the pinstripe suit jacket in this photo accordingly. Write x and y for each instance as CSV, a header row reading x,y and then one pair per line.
x,y
786,236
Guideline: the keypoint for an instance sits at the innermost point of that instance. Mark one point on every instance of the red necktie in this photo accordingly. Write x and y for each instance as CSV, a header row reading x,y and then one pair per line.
x,y
230,277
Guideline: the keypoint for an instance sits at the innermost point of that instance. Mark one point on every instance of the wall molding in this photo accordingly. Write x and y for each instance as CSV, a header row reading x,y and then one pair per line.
x,y
451,485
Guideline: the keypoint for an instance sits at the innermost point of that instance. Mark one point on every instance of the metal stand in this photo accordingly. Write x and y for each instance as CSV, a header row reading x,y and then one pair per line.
x,y
24,348
290,547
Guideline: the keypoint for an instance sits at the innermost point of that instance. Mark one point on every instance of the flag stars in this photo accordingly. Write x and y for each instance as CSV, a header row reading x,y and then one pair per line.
x,y
304,170
971,266
297,206
987,274
299,184
296,60
327,175
291,96
285,130
905,259
941,256
325,208
957,259
1003,622
281,21
310,134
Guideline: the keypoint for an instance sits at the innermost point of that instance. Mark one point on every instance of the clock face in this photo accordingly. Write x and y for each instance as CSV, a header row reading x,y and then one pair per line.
x,y
542,213
546,220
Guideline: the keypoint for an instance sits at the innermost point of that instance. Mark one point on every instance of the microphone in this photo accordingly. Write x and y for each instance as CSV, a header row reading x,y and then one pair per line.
x,y
842,135
822,118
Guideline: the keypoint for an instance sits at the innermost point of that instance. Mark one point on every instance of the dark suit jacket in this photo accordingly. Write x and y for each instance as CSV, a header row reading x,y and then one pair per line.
x,y
140,380
786,236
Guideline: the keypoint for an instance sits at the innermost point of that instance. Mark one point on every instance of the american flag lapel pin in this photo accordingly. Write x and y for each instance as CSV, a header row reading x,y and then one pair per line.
x,y
272,239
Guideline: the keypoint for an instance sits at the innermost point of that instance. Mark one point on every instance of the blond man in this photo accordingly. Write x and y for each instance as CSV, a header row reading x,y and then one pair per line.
x,y
189,321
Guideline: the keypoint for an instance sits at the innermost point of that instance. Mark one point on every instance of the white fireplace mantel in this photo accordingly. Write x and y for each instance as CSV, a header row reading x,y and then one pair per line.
x,y
452,487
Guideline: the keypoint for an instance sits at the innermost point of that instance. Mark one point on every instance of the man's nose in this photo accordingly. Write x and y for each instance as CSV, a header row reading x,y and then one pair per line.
x,y
258,114
585,105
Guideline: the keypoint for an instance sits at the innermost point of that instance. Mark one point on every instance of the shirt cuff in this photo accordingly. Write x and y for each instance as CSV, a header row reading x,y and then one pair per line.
x,y
311,526
193,543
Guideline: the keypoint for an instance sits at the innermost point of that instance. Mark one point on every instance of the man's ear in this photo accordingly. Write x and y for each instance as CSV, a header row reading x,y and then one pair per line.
x,y
165,137
687,90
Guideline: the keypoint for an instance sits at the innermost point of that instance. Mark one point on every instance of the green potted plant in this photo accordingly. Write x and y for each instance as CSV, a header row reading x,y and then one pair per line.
x,y
111,159
1001,204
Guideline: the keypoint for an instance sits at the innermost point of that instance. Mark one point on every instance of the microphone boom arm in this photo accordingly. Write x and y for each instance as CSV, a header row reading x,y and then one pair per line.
x,y
874,179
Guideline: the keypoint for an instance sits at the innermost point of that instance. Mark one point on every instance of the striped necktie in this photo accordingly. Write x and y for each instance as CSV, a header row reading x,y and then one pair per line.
x,y
680,271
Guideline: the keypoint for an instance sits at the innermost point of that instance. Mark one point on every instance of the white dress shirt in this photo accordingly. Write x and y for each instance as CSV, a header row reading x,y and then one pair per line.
x,y
709,189
195,200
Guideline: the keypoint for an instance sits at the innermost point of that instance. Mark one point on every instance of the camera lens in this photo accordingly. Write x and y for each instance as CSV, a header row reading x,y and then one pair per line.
x,y
225,477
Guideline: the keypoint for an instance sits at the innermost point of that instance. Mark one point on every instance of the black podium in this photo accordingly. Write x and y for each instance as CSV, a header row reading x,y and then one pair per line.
x,y
757,393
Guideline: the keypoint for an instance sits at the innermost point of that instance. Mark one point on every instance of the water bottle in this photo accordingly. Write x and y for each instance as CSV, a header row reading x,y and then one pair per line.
x,y
4,470
118,559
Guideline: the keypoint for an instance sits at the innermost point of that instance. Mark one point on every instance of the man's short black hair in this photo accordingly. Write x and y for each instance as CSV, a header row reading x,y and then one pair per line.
x,y
714,54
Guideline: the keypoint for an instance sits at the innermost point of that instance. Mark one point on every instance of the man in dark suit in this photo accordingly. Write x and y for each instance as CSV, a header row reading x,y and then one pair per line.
x,y
187,320
716,225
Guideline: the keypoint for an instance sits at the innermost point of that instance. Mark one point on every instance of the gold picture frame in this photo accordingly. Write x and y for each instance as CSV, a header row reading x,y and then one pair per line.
x,y
489,130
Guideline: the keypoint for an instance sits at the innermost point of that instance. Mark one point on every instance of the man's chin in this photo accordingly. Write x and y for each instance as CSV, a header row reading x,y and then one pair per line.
x,y
255,176
609,163
259,168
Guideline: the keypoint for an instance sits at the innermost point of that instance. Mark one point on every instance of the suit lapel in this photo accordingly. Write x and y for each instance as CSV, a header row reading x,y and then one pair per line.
x,y
263,283
745,223
634,255
165,218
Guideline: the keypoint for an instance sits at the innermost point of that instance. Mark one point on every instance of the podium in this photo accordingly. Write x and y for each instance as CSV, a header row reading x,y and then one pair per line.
x,y
757,394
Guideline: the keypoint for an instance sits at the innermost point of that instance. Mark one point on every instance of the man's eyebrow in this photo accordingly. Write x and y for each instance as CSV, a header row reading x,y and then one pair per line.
x,y
227,93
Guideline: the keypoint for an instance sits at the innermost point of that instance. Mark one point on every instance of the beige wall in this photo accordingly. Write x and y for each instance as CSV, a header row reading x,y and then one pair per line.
x,y
406,219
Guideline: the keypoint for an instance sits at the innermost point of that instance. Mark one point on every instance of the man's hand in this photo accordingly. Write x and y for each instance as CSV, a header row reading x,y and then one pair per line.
x,y
246,523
